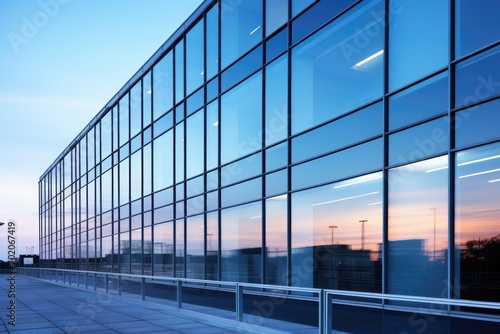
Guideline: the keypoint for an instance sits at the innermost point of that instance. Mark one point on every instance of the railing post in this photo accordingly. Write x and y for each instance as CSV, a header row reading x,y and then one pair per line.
x,y
239,302
143,288
179,294
106,282
327,313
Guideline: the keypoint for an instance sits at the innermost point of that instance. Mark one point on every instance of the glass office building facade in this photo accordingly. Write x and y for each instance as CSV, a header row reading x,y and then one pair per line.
x,y
350,145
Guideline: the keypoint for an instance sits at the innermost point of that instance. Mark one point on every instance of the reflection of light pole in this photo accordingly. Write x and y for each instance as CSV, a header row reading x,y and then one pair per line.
x,y
363,221
434,209
332,227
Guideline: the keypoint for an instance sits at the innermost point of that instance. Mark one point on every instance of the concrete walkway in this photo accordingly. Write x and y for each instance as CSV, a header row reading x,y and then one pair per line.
x,y
43,307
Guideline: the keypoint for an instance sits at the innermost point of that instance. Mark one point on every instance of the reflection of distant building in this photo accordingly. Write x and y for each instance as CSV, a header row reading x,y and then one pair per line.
x,y
340,267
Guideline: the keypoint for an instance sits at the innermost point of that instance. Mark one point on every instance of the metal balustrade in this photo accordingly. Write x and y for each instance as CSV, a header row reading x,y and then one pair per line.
x,y
281,308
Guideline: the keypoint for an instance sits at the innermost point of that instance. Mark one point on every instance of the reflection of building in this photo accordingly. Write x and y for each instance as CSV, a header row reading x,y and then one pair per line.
x,y
258,124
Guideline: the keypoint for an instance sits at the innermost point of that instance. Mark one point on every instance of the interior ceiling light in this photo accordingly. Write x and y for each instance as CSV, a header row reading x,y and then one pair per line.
x,y
366,60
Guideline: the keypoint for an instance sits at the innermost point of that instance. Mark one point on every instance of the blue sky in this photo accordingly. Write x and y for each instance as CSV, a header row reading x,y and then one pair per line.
x,y
60,62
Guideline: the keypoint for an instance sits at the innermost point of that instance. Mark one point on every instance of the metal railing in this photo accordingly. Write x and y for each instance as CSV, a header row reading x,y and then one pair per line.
x,y
279,308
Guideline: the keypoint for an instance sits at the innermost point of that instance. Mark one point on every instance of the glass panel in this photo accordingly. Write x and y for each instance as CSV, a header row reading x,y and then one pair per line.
x,y
115,128
195,101
276,15
242,192
421,141
163,249
346,131
241,119
90,154
195,247
163,124
195,144
277,183
136,252
477,124
212,45
241,25
356,160
125,253
338,227
477,223
163,168
476,78
429,39
106,191
276,119
179,152
212,135
195,186
419,102
124,182
136,176
179,71
277,45
418,229
276,241
212,200
135,109
163,197
212,261
277,156
241,243
195,205
124,120
195,57
179,248
300,5
316,16
163,75
331,74
148,251
241,170
212,89
147,106
147,177
477,25
106,124
242,69
213,180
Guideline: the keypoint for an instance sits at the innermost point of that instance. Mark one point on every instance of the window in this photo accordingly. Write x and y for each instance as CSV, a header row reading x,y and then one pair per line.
x,y
276,119
163,168
195,139
162,86
195,57
332,74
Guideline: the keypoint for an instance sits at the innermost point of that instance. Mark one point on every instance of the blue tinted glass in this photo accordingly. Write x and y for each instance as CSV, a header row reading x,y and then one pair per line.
x,y
243,68
179,152
135,109
316,16
179,113
418,228
124,127
163,76
195,144
276,15
135,143
195,206
195,71
163,161
477,25
163,124
477,78
241,170
212,140
213,89
277,45
477,124
276,118
241,28
241,243
195,101
146,99
195,186
277,183
212,200
179,71
429,39
241,119
212,41
242,192
357,160
348,130
163,197
213,180
416,103
300,5
421,141
277,156
330,75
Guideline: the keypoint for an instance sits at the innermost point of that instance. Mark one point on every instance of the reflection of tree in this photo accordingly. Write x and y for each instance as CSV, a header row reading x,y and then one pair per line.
x,y
480,269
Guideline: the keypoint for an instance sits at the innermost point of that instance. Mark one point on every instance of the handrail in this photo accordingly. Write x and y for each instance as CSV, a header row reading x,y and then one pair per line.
x,y
324,297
